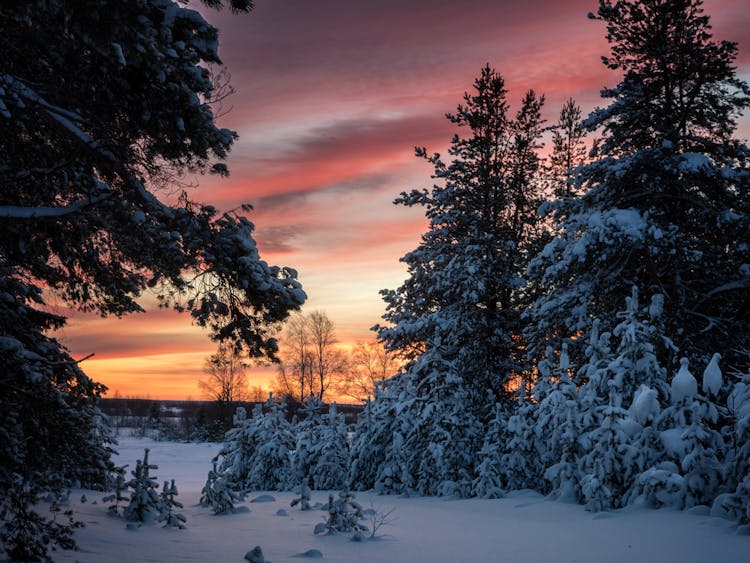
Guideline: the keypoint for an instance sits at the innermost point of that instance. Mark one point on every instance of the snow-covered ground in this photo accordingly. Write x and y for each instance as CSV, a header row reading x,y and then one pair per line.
x,y
521,528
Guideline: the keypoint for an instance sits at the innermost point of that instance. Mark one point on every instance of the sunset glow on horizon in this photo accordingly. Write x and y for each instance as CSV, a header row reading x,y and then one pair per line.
x,y
331,98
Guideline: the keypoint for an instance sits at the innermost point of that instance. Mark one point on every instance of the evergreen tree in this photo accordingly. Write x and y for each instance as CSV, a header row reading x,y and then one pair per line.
x,y
665,204
307,436
461,300
305,493
269,468
218,493
568,150
736,504
375,430
331,454
344,515
620,404
558,431
145,505
394,424
120,487
521,464
168,505
100,107
444,438
607,466
239,448
489,482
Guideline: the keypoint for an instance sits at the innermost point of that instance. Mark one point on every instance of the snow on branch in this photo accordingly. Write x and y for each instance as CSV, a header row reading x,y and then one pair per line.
x,y
20,212
67,120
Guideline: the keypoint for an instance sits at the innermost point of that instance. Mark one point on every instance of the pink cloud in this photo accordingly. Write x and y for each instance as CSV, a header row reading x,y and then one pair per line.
x,y
331,98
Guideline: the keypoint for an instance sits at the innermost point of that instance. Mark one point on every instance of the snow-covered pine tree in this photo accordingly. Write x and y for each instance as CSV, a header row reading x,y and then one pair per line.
x,y
79,167
304,494
736,503
269,468
120,487
393,474
367,449
378,439
700,467
461,300
489,482
239,447
456,319
620,403
331,453
665,204
168,505
443,436
521,465
218,492
307,434
145,504
607,466
558,431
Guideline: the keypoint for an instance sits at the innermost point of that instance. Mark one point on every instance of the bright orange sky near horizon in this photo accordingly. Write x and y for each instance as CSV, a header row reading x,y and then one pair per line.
x,y
331,98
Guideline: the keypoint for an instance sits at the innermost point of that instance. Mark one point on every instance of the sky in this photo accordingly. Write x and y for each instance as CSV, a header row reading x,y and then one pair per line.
x,y
331,97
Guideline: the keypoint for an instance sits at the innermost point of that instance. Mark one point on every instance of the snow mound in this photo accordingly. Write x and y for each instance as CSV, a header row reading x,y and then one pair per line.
x,y
712,379
684,385
264,498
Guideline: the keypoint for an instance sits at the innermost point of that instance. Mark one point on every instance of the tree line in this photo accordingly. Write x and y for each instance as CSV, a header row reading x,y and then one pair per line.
x,y
311,363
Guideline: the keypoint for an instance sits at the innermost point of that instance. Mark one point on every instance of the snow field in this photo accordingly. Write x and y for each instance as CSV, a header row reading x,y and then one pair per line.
x,y
523,527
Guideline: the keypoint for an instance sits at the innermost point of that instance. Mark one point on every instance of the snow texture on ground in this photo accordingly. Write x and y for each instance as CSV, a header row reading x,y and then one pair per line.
x,y
523,528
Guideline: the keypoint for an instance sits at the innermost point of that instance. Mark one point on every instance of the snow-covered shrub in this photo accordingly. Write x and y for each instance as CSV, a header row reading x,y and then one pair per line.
x,y
303,499
596,494
659,486
344,515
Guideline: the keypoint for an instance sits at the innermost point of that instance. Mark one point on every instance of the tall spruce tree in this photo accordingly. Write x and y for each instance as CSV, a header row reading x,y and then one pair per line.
x,y
666,199
460,303
568,150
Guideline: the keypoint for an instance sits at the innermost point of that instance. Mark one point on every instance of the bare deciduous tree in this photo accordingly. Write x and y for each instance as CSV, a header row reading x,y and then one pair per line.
x,y
225,378
310,360
294,374
369,363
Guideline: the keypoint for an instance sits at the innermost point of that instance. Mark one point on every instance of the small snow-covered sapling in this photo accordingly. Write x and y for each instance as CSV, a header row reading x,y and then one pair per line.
x,y
168,504
121,487
344,515
218,494
304,493
145,504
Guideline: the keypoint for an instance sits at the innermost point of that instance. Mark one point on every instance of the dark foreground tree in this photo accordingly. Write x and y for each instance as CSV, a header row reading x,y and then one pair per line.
x,y
666,200
102,103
